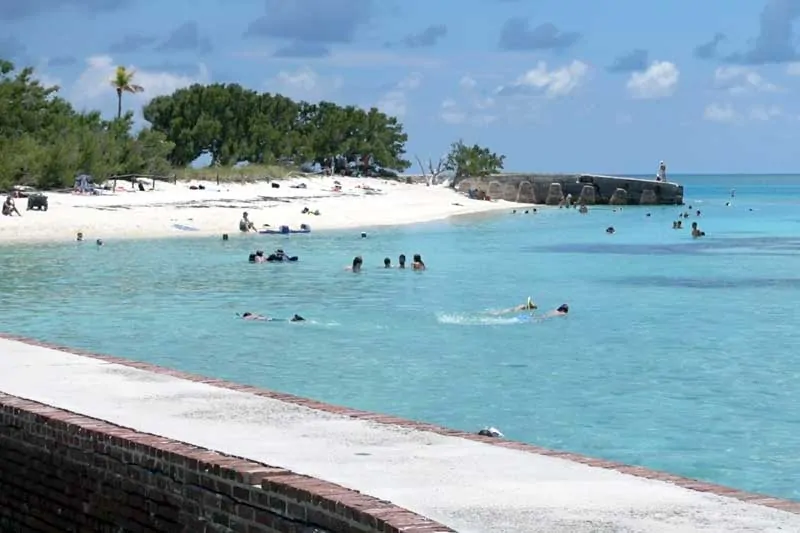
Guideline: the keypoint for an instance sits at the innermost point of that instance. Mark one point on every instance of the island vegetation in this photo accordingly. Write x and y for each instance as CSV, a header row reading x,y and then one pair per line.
x,y
45,142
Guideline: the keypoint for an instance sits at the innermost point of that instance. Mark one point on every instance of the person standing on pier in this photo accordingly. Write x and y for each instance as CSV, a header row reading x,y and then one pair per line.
x,y
662,172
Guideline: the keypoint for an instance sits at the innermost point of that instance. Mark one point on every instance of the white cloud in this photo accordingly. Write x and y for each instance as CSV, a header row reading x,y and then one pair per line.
x,y
552,83
738,80
472,107
468,82
395,101
659,81
304,84
719,113
765,113
793,69
92,89
451,113
727,113
623,119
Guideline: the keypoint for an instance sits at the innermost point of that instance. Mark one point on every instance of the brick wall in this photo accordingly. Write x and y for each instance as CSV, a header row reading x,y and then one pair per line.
x,y
61,472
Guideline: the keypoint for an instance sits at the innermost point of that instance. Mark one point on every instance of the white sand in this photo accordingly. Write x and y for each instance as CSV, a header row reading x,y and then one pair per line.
x,y
218,209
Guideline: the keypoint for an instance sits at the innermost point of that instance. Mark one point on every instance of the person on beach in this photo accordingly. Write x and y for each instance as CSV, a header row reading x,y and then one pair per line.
x,y
401,261
10,208
418,263
245,225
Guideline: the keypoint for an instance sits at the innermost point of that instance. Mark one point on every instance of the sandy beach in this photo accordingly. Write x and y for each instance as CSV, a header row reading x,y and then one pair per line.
x,y
180,211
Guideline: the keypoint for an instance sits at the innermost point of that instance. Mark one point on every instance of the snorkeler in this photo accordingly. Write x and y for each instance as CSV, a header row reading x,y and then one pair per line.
x,y
562,310
529,305
247,315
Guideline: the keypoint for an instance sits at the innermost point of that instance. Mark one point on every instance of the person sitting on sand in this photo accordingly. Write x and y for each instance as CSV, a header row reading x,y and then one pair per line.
x,y
245,225
10,208
418,263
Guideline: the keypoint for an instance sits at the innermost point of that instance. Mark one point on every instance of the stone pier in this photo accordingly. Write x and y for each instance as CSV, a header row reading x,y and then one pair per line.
x,y
589,188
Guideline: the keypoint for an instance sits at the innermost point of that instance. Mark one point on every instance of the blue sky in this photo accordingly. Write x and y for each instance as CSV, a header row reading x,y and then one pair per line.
x,y
567,85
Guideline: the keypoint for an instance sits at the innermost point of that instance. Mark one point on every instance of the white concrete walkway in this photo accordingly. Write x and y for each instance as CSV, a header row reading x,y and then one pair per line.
x,y
470,486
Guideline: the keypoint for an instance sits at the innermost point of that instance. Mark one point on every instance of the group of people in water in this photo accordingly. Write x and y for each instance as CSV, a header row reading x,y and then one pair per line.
x,y
278,256
677,224
416,264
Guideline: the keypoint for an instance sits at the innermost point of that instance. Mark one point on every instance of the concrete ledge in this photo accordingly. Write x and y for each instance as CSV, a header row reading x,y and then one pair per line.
x,y
351,499
163,485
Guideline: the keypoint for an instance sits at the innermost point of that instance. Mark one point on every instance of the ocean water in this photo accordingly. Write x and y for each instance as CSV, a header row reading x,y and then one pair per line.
x,y
678,354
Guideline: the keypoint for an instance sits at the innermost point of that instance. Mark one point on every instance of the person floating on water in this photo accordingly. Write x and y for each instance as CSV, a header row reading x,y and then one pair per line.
x,y
247,315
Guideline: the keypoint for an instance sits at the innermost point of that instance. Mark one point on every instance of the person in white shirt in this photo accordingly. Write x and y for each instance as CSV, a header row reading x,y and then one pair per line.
x,y
662,171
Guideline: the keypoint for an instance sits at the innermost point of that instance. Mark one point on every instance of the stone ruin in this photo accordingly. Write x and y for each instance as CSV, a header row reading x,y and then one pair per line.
x,y
555,195
648,197
526,194
620,197
588,195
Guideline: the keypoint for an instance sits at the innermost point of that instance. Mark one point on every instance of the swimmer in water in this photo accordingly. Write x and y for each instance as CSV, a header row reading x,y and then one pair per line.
x,y
529,305
247,315
562,310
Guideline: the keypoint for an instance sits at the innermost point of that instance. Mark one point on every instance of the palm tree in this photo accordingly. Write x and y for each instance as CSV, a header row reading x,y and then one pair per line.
x,y
123,83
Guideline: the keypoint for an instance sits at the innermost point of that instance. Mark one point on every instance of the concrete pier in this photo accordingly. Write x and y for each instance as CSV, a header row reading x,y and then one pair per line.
x,y
544,188
459,481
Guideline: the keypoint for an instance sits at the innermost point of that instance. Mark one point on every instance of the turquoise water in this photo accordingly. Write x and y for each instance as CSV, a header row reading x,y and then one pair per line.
x,y
678,354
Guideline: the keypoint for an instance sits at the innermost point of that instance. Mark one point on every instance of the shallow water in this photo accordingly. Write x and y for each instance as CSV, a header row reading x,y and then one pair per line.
x,y
678,354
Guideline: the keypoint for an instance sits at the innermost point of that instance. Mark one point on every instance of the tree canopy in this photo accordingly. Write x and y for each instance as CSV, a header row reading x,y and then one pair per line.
x,y
45,142
234,124
472,161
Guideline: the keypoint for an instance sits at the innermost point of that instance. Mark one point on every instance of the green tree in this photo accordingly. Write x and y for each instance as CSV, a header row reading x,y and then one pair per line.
x,y
122,82
472,161
233,125
44,142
